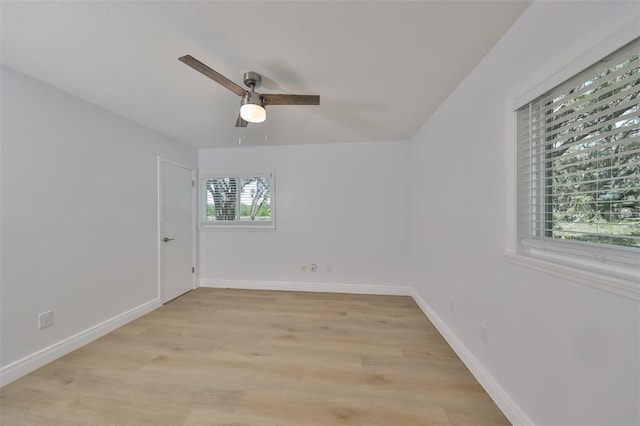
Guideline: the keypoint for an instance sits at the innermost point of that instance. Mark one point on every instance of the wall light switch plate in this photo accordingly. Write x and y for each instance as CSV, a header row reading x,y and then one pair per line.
x,y
45,319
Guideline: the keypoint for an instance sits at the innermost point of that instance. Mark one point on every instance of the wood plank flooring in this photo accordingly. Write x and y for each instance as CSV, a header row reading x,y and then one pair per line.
x,y
244,357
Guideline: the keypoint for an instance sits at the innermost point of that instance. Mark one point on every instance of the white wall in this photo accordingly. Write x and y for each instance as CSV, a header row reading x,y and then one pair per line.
x,y
563,352
342,205
79,214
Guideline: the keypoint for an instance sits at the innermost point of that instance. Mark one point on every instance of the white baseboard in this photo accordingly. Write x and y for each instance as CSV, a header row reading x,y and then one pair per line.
x,y
389,290
511,410
23,366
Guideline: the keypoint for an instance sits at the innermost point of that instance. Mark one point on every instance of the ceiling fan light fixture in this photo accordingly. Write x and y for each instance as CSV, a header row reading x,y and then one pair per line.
x,y
251,109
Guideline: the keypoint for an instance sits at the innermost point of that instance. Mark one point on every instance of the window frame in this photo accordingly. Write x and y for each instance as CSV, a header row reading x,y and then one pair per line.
x,y
234,225
615,269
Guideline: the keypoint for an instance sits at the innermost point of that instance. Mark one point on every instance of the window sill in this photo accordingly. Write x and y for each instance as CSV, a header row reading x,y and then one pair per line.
x,y
607,279
216,228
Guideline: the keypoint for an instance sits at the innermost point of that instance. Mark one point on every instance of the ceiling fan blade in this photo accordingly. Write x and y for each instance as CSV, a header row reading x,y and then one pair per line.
x,y
240,122
212,74
291,99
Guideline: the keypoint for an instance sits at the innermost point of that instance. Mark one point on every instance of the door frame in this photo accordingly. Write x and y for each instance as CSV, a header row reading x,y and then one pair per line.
x,y
194,212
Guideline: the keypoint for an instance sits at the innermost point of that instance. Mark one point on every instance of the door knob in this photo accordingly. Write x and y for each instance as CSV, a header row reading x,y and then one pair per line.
x,y
167,239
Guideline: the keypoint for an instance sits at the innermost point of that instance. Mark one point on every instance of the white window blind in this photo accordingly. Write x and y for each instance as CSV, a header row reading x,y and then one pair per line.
x,y
579,156
579,165
238,200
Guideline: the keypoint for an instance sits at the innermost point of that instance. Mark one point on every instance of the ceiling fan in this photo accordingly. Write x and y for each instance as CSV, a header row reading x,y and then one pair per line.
x,y
252,105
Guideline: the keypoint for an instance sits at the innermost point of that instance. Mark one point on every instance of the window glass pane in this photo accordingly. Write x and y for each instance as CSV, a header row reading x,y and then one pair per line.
x,y
255,199
222,195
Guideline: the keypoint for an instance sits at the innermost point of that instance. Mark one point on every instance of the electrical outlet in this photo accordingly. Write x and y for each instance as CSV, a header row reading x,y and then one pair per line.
x,y
484,334
314,267
303,268
45,319
329,269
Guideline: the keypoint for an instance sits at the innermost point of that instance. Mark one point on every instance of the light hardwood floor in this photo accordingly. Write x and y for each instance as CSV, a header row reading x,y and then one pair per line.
x,y
243,357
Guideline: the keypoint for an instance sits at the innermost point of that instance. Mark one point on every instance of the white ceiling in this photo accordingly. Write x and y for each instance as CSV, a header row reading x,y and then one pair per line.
x,y
381,67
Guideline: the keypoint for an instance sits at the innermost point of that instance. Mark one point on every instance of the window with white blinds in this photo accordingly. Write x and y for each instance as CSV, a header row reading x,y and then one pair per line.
x,y
245,200
579,164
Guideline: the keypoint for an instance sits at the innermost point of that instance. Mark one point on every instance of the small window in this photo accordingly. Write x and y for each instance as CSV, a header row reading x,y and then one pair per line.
x,y
238,200
579,169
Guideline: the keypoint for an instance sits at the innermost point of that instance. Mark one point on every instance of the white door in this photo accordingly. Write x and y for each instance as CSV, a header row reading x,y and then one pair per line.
x,y
176,230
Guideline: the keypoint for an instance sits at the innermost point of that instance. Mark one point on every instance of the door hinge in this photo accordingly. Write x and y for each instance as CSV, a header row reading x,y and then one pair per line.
x,y
193,183
193,269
